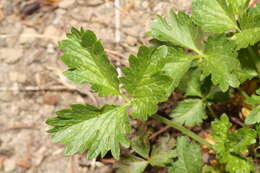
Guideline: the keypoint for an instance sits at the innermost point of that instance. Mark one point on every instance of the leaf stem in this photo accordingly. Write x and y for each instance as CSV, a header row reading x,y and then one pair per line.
x,y
243,93
183,130
212,112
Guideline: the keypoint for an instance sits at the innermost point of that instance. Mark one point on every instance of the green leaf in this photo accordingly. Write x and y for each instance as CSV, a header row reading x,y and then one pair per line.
x,y
87,62
177,64
251,18
215,95
191,83
130,163
254,116
145,82
238,6
239,165
213,15
79,128
250,26
221,62
210,169
249,69
240,140
162,152
189,157
140,142
230,146
189,112
178,29
254,99
247,37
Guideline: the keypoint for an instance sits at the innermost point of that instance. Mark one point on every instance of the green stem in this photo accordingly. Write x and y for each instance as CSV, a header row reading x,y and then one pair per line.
x,y
183,130
243,93
255,58
212,112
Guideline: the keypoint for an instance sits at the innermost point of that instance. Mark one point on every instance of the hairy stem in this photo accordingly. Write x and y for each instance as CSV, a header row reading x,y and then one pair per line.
x,y
243,93
183,130
212,112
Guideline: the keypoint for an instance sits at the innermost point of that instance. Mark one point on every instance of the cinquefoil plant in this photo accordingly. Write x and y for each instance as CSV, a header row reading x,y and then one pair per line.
x,y
222,37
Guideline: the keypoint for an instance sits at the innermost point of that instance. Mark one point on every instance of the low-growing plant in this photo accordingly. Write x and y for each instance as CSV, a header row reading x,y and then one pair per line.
x,y
207,56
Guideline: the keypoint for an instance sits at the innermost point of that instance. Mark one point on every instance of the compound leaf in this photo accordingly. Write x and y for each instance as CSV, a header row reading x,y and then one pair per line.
x,y
130,163
189,112
84,127
162,152
178,29
189,157
230,146
145,82
213,15
87,62
221,62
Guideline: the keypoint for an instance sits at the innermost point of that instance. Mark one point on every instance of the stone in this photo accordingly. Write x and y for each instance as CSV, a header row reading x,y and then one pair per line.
x,y
66,3
9,165
10,55
28,35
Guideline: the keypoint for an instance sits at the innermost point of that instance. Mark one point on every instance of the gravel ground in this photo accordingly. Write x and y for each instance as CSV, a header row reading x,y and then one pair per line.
x,y
32,87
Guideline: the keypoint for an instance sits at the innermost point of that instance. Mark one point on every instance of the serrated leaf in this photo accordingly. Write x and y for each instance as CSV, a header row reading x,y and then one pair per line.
x,y
247,37
238,6
189,112
87,62
162,152
130,163
178,29
191,83
145,82
231,145
240,140
251,18
248,66
239,165
79,128
221,62
140,143
177,64
250,28
254,116
213,15
189,157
